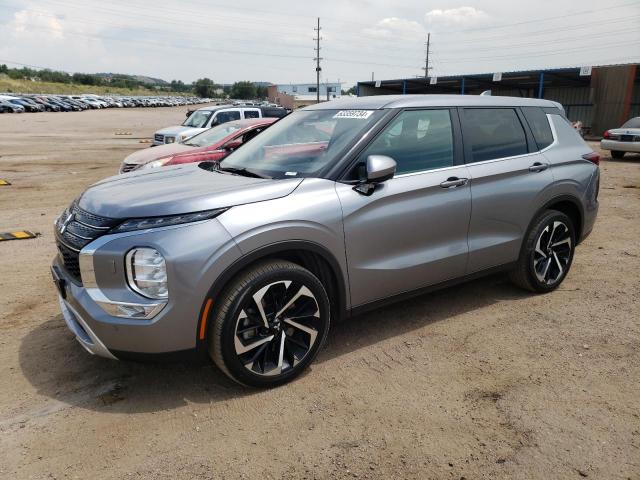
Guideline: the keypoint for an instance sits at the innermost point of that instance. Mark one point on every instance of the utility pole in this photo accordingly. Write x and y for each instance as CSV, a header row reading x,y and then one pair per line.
x,y
426,67
317,59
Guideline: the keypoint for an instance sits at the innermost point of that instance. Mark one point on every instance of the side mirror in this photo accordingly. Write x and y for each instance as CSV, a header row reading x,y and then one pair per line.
x,y
379,168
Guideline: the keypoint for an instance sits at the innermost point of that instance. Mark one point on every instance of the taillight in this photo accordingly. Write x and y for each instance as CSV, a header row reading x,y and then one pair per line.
x,y
593,157
606,134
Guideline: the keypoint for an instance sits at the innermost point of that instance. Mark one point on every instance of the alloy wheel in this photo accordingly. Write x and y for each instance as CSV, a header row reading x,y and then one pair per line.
x,y
552,254
276,328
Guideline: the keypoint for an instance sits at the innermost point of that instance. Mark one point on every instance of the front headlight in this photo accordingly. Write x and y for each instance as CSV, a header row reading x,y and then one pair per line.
x,y
155,222
147,272
169,139
156,163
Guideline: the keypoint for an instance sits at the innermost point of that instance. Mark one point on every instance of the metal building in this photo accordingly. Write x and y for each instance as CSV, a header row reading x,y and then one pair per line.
x,y
600,97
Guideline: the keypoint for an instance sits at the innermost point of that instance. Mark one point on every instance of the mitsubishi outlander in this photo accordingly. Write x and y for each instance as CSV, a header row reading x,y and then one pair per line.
x,y
337,208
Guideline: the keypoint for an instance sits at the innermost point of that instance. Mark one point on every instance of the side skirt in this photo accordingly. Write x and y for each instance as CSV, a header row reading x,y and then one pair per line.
x,y
367,307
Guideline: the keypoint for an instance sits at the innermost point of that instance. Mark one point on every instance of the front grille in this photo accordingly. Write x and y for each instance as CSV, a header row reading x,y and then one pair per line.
x,y
75,229
70,260
159,138
128,167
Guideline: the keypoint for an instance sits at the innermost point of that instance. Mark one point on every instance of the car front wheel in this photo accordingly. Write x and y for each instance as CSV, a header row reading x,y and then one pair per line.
x,y
270,324
617,154
546,254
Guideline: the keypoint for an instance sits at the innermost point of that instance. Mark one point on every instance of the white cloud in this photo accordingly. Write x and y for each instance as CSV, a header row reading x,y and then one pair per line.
x,y
396,27
455,16
26,20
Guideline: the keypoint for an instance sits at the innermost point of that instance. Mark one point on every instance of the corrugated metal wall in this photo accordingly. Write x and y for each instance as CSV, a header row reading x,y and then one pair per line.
x,y
577,102
635,102
613,88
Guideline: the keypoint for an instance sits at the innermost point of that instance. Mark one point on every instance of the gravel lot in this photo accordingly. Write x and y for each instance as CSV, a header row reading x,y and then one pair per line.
x,y
476,381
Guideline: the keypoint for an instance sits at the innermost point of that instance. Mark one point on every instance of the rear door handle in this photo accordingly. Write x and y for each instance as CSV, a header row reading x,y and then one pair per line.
x,y
453,182
538,167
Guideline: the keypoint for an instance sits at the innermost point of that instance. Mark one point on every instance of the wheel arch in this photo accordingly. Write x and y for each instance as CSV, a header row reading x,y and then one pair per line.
x,y
310,255
571,207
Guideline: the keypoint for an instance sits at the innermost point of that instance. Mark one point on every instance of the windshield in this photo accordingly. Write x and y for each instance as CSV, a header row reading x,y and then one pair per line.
x,y
633,123
213,135
197,119
303,143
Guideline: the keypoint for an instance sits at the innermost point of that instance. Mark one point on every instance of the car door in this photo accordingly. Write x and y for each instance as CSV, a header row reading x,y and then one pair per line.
x,y
509,180
411,232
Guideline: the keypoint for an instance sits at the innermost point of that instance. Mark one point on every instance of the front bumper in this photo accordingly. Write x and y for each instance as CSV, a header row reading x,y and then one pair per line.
x,y
616,145
195,254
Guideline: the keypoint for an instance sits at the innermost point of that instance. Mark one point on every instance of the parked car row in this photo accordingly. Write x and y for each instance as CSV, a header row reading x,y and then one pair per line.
x,y
14,103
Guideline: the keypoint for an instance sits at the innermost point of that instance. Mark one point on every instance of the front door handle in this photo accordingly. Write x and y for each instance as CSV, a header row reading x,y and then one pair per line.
x,y
538,167
453,182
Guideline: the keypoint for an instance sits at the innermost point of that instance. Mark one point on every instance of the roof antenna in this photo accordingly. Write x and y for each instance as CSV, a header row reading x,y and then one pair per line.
x,y
486,93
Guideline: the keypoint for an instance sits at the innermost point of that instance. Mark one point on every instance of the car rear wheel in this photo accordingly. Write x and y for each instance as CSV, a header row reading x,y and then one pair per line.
x,y
270,324
546,254
617,154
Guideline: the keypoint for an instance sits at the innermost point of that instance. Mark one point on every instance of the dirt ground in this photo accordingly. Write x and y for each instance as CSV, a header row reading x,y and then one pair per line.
x,y
477,381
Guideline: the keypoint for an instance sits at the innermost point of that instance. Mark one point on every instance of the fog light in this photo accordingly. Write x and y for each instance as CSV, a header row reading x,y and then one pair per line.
x,y
147,273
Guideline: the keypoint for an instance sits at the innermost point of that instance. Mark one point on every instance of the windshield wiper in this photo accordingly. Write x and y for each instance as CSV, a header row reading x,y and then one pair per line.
x,y
241,171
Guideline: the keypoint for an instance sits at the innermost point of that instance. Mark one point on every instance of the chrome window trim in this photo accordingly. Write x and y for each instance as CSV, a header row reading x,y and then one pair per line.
x,y
484,162
422,172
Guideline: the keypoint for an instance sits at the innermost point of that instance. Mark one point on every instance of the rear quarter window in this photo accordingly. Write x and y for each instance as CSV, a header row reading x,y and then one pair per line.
x,y
539,124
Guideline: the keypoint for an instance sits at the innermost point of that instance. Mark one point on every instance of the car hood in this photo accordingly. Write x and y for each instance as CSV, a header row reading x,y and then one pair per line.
x,y
176,190
175,130
154,153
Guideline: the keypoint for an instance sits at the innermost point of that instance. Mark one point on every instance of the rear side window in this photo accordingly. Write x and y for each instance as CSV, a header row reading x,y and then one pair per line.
x,y
251,114
537,120
493,133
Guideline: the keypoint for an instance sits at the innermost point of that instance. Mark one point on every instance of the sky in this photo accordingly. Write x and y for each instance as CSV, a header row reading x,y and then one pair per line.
x,y
230,41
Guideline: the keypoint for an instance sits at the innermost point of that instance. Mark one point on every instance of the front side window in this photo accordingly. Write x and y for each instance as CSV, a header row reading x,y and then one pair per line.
x,y
303,143
493,133
197,119
418,140
537,120
251,114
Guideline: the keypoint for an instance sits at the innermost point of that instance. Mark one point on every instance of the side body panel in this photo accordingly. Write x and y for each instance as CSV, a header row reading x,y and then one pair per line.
x,y
505,197
311,213
409,233
574,177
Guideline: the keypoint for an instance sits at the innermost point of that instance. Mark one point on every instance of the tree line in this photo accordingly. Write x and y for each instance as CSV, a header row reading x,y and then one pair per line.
x,y
203,87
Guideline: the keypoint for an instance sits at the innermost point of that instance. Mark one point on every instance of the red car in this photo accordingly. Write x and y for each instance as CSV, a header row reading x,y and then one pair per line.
x,y
212,145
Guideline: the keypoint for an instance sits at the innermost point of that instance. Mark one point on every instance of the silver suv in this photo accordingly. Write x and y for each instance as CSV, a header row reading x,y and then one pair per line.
x,y
336,209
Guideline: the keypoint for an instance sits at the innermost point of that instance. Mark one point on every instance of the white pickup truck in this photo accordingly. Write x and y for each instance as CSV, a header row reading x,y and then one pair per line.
x,y
208,117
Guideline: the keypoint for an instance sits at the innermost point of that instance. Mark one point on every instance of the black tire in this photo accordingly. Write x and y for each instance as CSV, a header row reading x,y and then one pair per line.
x,y
617,154
549,262
271,362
